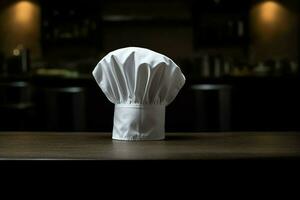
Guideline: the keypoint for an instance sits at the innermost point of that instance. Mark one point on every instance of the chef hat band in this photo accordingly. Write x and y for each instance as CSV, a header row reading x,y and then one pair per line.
x,y
139,122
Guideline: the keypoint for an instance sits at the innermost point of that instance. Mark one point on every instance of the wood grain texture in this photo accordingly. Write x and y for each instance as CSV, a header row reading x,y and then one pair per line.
x,y
182,146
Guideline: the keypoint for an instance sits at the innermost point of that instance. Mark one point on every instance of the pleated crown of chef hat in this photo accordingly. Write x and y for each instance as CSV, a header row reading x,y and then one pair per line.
x,y
141,83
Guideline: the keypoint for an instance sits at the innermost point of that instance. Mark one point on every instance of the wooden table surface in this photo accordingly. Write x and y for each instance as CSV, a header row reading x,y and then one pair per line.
x,y
100,146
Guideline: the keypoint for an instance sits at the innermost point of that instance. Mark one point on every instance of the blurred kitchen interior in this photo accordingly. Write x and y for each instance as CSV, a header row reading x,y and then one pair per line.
x,y
240,58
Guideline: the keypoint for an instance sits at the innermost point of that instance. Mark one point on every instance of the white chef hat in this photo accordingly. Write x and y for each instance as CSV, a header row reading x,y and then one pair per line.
x,y
141,83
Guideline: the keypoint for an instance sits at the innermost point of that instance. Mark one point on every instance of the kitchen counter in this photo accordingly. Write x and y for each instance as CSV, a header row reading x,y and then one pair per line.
x,y
191,146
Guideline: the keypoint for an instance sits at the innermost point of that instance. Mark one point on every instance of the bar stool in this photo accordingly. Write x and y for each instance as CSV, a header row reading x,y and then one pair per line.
x,y
213,107
64,109
16,106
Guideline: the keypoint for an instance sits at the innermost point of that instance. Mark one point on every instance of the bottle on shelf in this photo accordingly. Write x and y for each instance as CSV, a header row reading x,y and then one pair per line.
x,y
261,69
217,67
18,63
227,68
294,67
205,72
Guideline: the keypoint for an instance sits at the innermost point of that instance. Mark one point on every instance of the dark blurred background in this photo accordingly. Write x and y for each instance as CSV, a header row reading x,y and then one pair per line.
x,y
240,58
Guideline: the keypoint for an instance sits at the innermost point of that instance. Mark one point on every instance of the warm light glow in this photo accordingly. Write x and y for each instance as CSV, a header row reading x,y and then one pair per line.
x,y
20,25
270,18
270,11
24,11
273,29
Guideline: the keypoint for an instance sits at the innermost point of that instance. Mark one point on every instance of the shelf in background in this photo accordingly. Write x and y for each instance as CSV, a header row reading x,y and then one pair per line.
x,y
145,20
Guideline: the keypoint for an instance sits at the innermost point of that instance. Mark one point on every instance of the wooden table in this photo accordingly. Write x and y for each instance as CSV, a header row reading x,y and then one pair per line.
x,y
191,146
